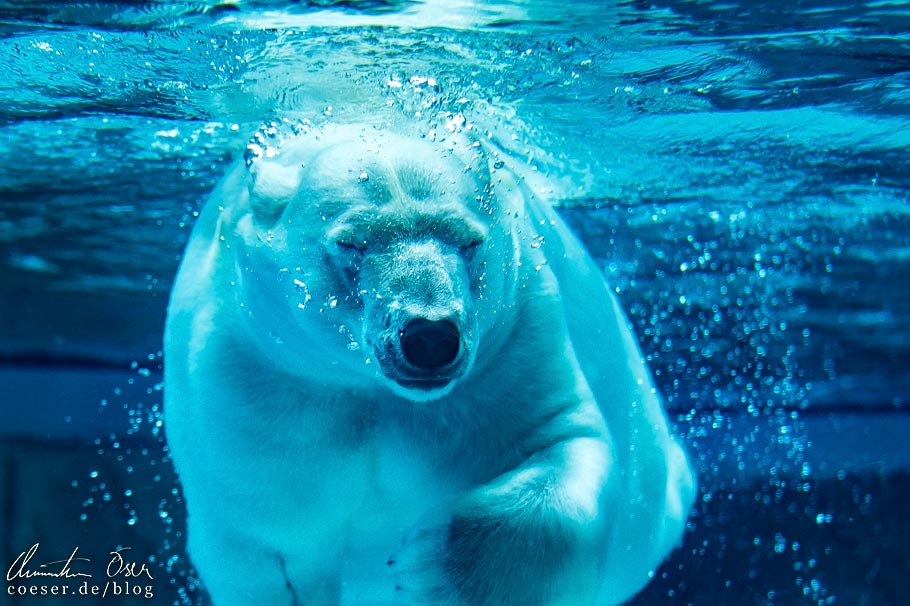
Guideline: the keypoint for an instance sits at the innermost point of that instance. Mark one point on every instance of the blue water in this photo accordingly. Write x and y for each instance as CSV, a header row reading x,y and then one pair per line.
x,y
738,169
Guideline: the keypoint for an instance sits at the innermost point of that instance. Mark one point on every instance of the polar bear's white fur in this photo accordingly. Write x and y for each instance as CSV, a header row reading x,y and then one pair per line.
x,y
394,377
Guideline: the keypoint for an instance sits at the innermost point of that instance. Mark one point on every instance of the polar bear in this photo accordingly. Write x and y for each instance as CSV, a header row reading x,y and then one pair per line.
x,y
394,377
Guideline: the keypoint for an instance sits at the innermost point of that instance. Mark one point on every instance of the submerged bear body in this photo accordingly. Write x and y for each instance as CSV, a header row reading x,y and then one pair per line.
x,y
394,377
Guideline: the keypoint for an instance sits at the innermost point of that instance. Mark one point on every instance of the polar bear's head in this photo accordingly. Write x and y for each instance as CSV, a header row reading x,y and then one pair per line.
x,y
411,248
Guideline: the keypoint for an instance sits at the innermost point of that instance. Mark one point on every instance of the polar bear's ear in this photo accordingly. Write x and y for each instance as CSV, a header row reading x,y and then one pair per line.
x,y
272,187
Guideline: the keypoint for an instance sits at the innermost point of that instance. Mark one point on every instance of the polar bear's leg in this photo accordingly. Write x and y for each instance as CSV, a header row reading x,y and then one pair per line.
x,y
238,572
533,537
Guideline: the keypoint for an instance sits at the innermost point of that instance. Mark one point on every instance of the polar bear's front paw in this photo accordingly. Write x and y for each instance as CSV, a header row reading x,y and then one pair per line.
x,y
419,568
478,558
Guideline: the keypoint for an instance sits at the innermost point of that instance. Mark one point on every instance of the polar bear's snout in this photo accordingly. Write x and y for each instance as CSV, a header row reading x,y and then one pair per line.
x,y
430,344
420,324
423,357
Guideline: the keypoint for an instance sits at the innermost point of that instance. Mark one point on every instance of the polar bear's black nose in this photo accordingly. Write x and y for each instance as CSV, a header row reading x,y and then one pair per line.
x,y
429,344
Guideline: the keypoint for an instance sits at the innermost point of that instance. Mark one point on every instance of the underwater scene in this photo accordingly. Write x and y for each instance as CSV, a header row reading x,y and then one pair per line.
x,y
736,169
